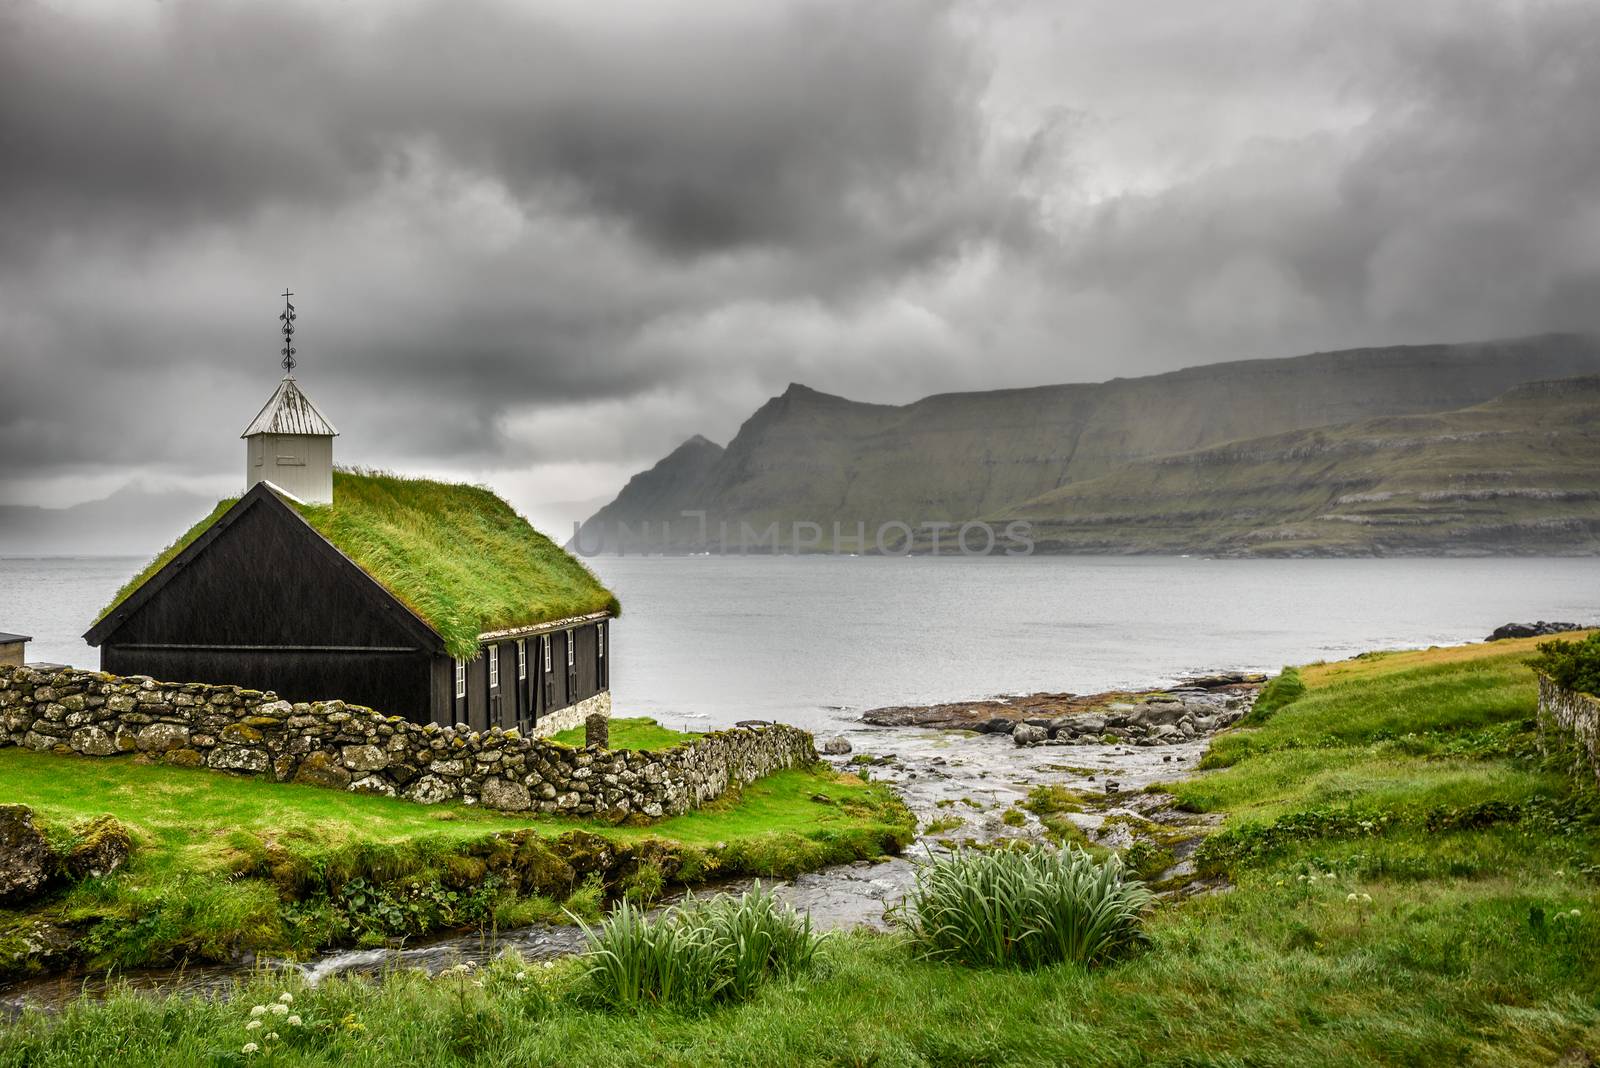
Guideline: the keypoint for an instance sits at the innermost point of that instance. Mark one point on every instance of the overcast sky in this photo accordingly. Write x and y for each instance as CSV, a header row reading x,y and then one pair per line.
x,y
539,245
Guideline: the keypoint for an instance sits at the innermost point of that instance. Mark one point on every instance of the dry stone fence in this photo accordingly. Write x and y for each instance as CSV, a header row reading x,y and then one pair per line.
x,y
348,747
1570,721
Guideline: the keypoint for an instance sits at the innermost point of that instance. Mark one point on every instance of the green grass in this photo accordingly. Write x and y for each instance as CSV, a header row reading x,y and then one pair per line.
x,y
1024,908
456,555
1406,781
706,950
225,864
640,732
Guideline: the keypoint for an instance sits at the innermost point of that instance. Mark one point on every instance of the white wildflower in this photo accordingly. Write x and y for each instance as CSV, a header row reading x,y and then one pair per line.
x,y
286,997
258,1010
280,1009
270,1036
1352,898
249,1048
521,976
253,1025
1366,899
1574,914
293,1021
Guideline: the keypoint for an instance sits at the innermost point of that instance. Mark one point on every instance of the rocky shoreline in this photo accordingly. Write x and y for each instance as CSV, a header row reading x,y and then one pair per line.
x,y
1191,708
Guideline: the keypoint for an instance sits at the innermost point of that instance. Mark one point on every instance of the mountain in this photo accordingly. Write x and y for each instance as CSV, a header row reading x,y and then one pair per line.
x,y
1518,475
136,520
810,457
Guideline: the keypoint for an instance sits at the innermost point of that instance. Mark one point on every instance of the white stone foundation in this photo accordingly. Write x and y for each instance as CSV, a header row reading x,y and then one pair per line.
x,y
573,715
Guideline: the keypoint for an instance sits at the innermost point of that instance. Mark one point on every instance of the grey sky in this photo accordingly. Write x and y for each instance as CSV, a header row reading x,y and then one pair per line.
x,y
540,244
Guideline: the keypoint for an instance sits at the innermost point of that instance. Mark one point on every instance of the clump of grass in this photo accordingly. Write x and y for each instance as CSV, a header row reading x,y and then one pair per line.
x,y
1284,688
1013,817
1049,799
1024,908
718,950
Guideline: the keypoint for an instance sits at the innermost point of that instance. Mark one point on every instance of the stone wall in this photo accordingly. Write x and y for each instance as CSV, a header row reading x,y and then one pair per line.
x,y
347,747
564,719
1570,721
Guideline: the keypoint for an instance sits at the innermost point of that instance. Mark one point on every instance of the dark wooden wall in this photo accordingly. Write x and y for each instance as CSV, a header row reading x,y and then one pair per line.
x,y
270,606
522,703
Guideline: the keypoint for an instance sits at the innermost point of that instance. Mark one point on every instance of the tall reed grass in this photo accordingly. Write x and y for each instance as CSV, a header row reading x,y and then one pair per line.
x,y
1024,908
701,952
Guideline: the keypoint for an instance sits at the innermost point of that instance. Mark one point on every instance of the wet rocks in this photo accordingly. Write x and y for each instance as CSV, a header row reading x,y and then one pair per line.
x,y
1167,718
26,860
1530,630
1029,734
836,746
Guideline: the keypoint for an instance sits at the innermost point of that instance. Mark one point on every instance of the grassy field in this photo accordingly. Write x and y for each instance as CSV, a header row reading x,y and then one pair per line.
x,y
223,865
1409,886
639,732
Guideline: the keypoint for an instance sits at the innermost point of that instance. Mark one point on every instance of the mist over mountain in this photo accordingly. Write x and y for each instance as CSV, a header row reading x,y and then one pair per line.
x,y
809,457
136,520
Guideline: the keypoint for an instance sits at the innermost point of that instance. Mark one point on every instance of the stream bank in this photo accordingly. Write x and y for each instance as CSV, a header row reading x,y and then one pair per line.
x,y
966,788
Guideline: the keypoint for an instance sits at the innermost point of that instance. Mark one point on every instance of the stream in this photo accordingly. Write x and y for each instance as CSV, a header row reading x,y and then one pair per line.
x,y
940,774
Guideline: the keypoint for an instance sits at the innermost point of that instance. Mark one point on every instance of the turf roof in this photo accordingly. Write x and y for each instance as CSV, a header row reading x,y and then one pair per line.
x,y
456,555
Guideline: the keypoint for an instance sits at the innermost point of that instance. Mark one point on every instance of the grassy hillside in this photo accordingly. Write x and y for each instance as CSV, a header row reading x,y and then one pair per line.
x,y
1520,474
225,865
808,456
1409,886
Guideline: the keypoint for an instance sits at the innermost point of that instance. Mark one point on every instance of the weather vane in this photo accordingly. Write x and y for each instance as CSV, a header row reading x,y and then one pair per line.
x,y
287,318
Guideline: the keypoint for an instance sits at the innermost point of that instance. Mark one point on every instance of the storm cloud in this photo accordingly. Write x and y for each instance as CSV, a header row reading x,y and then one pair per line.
x,y
541,244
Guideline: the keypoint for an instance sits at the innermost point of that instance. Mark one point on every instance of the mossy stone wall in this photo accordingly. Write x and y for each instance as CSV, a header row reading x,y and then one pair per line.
x,y
348,747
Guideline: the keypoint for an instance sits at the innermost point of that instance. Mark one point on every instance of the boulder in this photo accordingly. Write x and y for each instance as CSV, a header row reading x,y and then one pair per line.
x,y
1029,734
102,847
321,769
238,758
1089,723
430,790
836,746
998,725
596,731
365,758
35,947
1530,630
160,737
92,741
503,794
26,859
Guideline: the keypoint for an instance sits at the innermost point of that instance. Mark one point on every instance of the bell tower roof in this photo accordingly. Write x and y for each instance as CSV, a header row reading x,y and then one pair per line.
x,y
289,411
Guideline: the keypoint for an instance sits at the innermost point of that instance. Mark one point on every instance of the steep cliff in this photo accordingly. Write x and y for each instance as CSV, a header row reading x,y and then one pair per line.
x,y
807,456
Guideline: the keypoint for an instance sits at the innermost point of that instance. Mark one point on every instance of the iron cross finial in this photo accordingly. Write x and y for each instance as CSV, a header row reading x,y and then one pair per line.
x,y
287,317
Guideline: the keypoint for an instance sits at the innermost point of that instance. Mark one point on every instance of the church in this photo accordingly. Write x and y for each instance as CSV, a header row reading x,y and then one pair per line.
x,y
429,600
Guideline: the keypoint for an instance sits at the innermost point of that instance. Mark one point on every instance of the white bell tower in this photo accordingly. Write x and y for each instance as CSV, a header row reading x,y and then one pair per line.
x,y
289,443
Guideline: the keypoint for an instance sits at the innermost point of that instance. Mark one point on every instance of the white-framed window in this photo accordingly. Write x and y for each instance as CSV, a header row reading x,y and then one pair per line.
x,y
545,641
522,658
570,648
461,678
600,639
494,667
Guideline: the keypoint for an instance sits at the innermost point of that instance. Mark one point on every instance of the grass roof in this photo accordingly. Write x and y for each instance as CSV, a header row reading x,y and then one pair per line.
x,y
456,555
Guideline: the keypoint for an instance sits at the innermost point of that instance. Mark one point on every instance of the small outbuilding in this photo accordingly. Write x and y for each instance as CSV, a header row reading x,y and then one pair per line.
x,y
429,600
11,648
